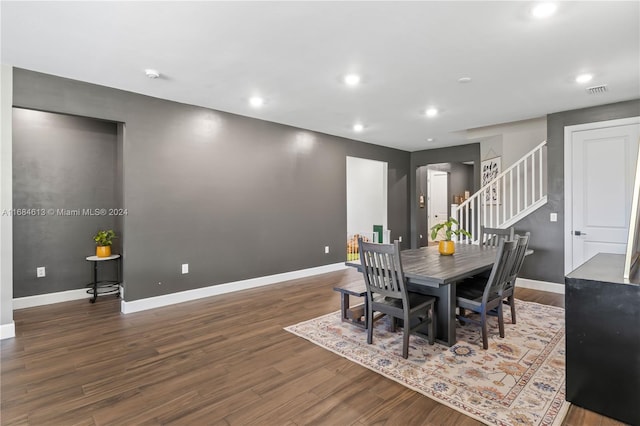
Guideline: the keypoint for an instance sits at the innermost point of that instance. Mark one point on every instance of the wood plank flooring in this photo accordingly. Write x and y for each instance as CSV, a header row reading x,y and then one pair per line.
x,y
223,360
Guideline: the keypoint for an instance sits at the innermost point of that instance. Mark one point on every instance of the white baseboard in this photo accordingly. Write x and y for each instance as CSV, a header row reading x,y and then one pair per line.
x,y
49,298
214,290
8,331
540,285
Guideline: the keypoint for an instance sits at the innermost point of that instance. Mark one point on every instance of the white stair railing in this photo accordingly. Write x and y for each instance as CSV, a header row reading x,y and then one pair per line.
x,y
512,195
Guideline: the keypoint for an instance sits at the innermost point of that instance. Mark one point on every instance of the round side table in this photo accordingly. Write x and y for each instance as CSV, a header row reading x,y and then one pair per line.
x,y
101,287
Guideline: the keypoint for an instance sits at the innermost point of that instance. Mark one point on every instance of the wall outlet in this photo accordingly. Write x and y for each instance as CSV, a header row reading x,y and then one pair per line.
x,y
400,239
185,268
326,249
40,272
553,217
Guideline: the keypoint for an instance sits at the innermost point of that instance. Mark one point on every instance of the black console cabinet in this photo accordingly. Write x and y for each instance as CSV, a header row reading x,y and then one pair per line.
x,y
603,339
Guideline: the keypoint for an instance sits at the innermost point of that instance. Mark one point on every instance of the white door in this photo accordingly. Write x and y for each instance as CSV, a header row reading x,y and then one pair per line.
x,y
437,200
603,170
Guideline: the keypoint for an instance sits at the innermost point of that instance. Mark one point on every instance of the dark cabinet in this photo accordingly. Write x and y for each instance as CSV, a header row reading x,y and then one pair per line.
x,y
603,339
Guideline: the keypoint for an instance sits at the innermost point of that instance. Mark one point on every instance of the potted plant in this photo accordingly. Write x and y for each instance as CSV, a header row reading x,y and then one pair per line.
x,y
446,246
103,240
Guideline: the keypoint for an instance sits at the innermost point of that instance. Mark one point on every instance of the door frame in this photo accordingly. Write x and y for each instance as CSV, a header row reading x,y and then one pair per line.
x,y
568,178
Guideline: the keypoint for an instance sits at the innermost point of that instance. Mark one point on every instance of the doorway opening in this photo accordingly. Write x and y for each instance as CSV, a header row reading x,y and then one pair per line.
x,y
599,174
68,169
366,202
438,185
437,201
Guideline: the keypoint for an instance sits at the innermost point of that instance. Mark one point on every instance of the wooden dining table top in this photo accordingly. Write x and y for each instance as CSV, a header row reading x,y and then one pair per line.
x,y
427,266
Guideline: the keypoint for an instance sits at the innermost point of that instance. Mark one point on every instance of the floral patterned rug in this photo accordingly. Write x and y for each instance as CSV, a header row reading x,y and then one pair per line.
x,y
519,380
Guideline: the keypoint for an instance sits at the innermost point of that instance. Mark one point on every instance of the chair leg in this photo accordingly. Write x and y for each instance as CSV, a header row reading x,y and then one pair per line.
x,y
512,302
392,325
406,329
485,339
432,325
370,324
500,320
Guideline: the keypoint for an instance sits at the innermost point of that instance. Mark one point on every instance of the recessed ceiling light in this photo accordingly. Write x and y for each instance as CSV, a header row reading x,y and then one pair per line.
x,y
358,127
352,79
431,112
544,10
429,139
152,73
256,101
464,80
584,78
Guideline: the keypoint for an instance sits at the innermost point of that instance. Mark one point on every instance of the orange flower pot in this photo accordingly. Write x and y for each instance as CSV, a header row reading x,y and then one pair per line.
x,y
446,248
103,251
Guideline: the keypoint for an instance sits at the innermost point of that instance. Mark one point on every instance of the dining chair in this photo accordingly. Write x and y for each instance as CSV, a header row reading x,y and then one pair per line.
x,y
508,293
387,293
483,298
493,236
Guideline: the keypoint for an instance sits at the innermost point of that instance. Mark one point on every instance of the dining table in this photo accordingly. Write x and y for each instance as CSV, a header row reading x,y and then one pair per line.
x,y
428,272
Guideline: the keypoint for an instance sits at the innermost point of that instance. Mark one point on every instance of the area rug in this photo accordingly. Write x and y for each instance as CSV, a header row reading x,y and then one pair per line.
x,y
519,380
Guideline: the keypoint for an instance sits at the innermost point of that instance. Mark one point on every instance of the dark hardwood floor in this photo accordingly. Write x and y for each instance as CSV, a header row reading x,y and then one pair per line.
x,y
223,360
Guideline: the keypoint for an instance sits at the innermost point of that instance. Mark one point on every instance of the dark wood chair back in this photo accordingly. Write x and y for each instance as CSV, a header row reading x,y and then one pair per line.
x,y
500,271
383,269
509,289
494,236
521,250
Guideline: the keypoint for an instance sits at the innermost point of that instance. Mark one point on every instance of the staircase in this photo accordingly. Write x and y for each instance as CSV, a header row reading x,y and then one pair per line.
x,y
512,195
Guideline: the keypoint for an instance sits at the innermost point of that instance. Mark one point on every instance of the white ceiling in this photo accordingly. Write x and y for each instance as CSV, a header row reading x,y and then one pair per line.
x,y
410,56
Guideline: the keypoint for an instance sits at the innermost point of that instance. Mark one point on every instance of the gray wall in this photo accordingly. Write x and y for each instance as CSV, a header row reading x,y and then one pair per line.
x,y
462,179
460,153
547,238
64,163
234,197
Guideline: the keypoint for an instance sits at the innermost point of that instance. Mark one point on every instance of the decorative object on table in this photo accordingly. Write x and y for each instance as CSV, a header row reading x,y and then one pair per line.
x,y
447,246
490,170
103,240
519,380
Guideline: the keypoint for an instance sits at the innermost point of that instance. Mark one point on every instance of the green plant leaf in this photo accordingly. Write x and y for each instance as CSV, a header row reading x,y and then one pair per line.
x,y
104,238
449,231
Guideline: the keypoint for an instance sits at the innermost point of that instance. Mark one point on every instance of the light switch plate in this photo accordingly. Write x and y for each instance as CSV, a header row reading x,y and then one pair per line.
x,y
185,268
326,249
553,217
41,272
